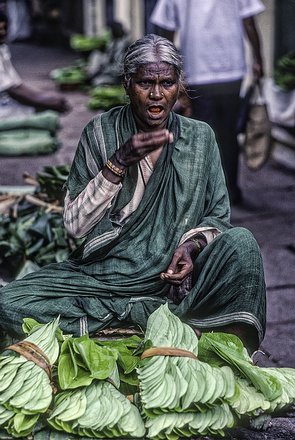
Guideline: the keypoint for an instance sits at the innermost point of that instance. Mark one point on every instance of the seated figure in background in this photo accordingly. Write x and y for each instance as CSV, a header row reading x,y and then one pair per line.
x,y
19,104
16,97
105,68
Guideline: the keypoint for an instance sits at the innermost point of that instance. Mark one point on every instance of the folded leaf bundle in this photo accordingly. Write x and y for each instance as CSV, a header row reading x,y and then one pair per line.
x,y
83,359
25,379
97,411
180,394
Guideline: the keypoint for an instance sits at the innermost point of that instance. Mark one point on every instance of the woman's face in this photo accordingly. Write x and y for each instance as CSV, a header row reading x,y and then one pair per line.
x,y
153,91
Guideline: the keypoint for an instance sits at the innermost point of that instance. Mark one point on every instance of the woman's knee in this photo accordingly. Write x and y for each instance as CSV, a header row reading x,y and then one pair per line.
x,y
242,250
241,240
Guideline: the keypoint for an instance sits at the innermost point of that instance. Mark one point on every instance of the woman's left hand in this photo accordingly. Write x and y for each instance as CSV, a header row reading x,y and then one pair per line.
x,y
181,265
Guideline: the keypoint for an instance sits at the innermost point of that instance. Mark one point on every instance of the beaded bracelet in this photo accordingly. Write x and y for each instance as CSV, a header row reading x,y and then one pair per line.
x,y
114,169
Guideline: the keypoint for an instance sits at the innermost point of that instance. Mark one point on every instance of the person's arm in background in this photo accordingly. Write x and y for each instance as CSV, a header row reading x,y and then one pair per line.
x,y
38,99
254,39
12,84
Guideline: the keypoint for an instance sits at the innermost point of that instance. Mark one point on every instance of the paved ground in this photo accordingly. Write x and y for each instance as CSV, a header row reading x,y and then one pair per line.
x,y
268,210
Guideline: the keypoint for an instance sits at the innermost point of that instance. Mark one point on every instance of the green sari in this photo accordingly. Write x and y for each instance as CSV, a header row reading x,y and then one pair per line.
x,y
113,279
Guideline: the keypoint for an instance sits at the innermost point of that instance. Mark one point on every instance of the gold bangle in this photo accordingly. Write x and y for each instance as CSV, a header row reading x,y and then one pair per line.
x,y
114,169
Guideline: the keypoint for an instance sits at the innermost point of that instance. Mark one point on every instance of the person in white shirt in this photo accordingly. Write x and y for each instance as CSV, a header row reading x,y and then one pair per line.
x,y
211,37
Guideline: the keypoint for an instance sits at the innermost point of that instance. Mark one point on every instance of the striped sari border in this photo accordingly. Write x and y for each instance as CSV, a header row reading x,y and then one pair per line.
x,y
229,318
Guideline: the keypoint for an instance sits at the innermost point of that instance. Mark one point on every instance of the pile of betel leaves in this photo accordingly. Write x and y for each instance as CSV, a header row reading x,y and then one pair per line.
x,y
165,384
102,97
105,97
86,43
32,233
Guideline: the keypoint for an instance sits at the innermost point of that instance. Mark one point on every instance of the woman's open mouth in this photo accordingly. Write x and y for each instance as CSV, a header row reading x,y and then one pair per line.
x,y
155,110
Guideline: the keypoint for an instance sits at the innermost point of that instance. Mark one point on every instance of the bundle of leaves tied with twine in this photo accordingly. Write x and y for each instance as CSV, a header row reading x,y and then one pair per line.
x,y
164,384
26,389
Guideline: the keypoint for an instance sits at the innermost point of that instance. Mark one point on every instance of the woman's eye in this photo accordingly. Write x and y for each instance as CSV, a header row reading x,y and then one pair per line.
x,y
168,83
144,83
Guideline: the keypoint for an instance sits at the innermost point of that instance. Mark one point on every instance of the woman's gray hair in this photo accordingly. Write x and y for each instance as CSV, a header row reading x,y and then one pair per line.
x,y
151,49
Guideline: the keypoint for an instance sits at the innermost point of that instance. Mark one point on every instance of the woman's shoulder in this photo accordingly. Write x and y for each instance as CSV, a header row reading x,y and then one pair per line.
x,y
105,115
195,127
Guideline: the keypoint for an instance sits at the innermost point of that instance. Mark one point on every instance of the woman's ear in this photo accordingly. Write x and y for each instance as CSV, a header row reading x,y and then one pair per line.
x,y
126,85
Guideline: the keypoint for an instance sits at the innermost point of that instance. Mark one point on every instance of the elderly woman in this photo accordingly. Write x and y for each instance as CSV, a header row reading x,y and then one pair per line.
x,y
147,191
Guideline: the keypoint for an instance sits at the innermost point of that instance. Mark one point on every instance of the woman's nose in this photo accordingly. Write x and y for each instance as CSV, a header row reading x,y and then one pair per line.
x,y
156,92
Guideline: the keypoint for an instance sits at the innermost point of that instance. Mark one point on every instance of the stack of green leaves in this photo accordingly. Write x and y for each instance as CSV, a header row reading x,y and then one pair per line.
x,y
208,394
178,386
90,373
84,359
284,72
173,426
51,181
74,74
286,376
97,411
33,135
26,389
258,390
107,96
181,386
85,43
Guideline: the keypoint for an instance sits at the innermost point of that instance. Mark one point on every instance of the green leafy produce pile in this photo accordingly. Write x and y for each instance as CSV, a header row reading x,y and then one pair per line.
x,y
50,182
98,411
26,391
180,386
185,397
83,395
83,43
32,233
284,73
106,97
75,74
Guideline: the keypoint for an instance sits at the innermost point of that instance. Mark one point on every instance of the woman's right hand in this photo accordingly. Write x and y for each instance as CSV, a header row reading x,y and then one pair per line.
x,y
140,145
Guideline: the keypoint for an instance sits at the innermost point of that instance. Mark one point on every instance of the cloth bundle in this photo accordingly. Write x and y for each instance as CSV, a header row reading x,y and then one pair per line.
x,y
254,127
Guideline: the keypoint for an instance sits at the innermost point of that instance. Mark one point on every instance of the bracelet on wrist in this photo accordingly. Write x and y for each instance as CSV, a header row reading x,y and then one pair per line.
x,y
199,243
114,169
